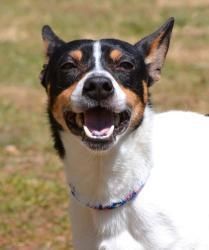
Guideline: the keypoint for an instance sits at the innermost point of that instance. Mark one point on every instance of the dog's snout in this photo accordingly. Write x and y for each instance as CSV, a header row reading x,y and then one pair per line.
x,y
98,88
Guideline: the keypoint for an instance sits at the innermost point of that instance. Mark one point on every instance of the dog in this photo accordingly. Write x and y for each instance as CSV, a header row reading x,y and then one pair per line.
x,y
137,179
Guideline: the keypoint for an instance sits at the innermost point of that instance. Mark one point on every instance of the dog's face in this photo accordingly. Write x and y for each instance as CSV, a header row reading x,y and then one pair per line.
x,y
98,90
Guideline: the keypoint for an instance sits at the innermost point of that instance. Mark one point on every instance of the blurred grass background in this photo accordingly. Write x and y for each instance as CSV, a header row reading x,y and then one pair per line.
x,y
33,194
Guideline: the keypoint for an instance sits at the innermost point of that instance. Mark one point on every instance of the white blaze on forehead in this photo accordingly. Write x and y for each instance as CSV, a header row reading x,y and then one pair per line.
x,y
118,100
97,53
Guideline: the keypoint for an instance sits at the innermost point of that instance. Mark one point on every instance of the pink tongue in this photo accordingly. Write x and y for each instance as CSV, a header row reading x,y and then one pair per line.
x,y
98,121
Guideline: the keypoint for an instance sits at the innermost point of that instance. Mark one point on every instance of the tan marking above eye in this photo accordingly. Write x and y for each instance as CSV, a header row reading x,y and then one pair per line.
x,y
76,54
115,55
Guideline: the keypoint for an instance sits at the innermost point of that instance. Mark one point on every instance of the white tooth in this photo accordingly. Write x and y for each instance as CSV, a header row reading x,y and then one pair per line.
x,y
87,131
90,135
109,132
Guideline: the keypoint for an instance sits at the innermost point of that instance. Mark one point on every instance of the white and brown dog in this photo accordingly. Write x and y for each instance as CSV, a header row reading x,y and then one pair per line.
x,y
138,180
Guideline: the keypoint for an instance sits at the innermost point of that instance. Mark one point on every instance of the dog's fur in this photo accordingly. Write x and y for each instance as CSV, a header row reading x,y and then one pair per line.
x,y
166,153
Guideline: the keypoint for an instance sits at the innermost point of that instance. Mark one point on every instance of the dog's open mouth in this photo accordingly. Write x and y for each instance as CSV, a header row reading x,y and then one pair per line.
x,y
98,126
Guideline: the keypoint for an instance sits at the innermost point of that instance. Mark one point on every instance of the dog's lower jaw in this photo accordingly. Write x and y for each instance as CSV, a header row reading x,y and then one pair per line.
x,y
103,178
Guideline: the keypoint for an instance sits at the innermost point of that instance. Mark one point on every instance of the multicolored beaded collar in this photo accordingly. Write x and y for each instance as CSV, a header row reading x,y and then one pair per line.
x,y
113,205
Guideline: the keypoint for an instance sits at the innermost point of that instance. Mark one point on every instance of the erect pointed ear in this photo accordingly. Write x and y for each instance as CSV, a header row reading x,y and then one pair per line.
x,y
154,49
51,40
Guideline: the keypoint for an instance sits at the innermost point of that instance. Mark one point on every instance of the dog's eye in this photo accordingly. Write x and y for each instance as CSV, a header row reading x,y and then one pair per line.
x,y
68,66
125,65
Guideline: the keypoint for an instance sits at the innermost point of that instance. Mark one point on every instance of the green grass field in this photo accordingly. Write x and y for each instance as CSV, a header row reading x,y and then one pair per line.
x,y
33,193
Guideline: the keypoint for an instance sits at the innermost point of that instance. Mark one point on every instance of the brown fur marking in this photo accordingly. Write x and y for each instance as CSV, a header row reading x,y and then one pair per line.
x,y
155,44
62,101
145,90
153,48
115,54
48,89
136,104
77,55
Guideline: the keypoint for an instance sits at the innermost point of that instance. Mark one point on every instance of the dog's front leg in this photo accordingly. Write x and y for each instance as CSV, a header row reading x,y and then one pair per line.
x,y
84,234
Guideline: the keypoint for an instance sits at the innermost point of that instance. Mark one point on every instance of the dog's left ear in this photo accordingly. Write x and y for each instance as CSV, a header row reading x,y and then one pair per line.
x,y
51,40
154,49
51,43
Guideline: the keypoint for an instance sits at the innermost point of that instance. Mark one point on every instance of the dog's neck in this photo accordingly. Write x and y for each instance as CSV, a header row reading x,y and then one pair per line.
x,y
105,177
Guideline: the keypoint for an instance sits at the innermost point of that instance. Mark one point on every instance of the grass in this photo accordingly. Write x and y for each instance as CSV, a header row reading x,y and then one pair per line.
x,y
33,193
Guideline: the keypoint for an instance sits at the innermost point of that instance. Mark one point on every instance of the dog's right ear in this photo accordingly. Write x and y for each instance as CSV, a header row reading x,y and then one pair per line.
x,y
51,43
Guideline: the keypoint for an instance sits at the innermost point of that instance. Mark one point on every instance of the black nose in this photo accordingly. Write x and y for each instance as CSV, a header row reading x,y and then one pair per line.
x,y
98,88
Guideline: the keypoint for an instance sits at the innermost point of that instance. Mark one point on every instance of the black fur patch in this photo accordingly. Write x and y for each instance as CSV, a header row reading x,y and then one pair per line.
x,y
55,129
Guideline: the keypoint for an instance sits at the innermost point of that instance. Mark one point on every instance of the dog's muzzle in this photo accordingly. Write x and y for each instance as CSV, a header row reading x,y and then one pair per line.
x,y
99,120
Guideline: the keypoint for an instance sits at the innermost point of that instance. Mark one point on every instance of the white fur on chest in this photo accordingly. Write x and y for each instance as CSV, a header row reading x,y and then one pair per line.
x,y
172,210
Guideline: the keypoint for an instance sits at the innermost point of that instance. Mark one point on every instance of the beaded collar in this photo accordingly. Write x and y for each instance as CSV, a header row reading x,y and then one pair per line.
x,y
113,205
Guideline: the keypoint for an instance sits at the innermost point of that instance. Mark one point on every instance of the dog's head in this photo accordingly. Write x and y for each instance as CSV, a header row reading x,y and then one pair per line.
x,y
98,90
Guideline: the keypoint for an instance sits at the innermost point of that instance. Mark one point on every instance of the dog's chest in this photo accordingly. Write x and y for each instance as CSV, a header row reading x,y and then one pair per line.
x,y
127,228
